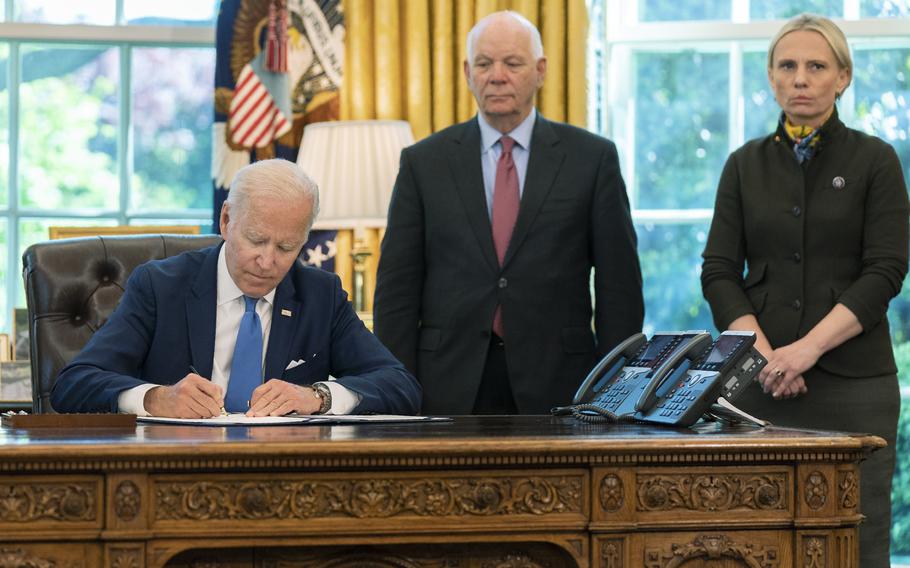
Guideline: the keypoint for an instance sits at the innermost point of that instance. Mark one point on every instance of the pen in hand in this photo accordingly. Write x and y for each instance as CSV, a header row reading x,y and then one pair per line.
x,y
193,370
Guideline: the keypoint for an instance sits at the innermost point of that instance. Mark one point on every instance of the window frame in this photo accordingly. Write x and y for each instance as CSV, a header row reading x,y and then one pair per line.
x,y
124,38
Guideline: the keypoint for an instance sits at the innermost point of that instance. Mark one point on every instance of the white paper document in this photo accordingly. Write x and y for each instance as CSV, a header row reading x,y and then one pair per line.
x,y
240,419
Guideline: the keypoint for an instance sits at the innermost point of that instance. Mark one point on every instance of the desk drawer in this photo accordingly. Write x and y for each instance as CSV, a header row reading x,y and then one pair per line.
x,y
835,548
391,501
668,498
46,554
33,505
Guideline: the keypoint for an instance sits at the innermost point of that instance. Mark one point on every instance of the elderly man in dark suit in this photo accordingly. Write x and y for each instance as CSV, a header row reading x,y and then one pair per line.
x,y
484,288
243,325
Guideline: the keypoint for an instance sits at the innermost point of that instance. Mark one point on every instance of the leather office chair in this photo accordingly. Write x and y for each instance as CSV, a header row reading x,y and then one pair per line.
x,y
73,285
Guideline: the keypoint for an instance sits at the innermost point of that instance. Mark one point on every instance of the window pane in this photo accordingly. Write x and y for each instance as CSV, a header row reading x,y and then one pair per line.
x,y
172,125
101,12
68,127
900,490
881,89
674,10
670,257
680,128
171,12
786,9
5,310
760,109
885,9
4,127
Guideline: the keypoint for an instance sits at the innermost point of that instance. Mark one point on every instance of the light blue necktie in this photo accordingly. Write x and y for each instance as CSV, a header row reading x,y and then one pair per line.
x,y
246,367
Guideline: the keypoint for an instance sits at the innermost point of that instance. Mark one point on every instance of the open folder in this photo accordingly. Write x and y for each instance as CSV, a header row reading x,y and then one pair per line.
x,y
240,419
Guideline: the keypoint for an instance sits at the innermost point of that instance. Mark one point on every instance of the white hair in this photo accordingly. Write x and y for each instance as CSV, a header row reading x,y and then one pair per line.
x,y
536,43
273,179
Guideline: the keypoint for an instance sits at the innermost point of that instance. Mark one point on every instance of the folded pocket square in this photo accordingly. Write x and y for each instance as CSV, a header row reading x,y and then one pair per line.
x,y
293,364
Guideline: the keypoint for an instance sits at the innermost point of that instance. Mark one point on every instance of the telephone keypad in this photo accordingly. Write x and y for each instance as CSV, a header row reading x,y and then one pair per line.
x,y
619,390
679,400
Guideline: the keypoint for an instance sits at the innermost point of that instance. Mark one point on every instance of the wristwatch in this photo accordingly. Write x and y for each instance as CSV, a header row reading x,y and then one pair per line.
x,y
324,394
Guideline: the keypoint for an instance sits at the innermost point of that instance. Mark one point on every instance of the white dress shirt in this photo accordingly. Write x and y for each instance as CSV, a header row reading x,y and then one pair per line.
x,y
230,310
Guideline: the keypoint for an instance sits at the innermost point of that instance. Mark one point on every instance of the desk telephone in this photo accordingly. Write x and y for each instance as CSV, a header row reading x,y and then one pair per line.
x,y
671,379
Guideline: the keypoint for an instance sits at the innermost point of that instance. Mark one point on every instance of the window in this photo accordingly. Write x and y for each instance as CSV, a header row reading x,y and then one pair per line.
x,y
679,85
105,119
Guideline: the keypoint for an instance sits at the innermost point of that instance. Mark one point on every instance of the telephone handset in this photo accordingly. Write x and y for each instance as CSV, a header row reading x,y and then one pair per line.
x,y
722,370
610,389
690,352
607,368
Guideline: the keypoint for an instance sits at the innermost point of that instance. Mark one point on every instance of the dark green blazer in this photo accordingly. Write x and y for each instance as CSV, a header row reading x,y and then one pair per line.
x,y
832,230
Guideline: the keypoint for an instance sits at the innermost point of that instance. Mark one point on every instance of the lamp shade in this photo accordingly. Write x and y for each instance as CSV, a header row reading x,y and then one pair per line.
x,y
355,163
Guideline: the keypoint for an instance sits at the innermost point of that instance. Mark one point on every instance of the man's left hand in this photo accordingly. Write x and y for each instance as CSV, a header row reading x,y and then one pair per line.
x,y
277,398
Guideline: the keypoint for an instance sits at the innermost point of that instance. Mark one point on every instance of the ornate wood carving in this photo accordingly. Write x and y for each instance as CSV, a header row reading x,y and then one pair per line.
x,y
378,498
611,553
65,502
467,555
18,558
816,490
847,490
127,500
712,492
713,547
125,557
814,552
611,493
512,561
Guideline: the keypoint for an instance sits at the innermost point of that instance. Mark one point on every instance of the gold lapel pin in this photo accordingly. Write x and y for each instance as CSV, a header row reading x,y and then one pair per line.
x,y
286,313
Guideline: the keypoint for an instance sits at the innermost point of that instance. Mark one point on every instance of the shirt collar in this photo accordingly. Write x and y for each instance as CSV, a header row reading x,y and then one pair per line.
x,y
521,133
227,289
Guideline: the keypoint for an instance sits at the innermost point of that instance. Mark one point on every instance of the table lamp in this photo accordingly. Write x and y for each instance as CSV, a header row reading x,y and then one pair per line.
x,y
355,163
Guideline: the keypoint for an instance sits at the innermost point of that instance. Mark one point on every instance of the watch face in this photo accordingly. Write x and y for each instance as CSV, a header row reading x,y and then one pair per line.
x,y
325,397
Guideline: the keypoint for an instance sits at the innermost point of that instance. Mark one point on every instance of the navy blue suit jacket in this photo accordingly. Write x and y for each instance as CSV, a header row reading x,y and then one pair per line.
x,y
165,322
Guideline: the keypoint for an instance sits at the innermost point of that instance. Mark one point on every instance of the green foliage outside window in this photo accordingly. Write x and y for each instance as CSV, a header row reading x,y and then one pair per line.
x,y
69,122
900,490
67,130
681,128
672,10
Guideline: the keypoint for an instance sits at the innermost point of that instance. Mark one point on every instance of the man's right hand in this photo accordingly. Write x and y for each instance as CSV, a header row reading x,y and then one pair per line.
x,y
192,397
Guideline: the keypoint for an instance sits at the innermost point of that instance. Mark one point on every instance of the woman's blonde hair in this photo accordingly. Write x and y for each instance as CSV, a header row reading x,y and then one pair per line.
x,y
828,30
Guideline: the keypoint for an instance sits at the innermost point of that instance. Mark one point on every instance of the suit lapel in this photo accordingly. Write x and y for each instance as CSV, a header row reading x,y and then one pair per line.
x,y
200,314
464,162
544,162
286,313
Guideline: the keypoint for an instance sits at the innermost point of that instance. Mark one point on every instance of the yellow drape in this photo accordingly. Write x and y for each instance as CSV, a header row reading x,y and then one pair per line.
x,y
404,58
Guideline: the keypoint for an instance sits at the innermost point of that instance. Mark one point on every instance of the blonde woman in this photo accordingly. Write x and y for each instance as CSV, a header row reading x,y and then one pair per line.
x,y
816,214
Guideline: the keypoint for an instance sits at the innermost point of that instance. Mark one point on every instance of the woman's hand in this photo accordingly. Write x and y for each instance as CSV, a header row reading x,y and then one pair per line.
x,y
782,377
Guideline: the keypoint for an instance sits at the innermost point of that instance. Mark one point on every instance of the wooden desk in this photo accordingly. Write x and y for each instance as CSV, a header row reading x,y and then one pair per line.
x,y
505,492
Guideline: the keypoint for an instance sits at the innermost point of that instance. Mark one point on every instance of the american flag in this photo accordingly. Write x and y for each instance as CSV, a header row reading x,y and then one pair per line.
x,y
254,117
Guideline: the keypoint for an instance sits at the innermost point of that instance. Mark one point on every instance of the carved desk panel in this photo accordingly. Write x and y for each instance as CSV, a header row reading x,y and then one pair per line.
x,y
525,492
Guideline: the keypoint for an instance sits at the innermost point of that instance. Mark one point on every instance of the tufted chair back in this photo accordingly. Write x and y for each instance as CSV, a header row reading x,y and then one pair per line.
x,y
73,285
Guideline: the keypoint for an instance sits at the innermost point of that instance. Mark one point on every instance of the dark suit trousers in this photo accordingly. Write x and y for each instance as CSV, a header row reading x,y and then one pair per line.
x,y
495,393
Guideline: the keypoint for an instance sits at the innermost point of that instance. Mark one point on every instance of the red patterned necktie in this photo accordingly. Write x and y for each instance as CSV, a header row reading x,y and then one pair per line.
x,y
505,211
